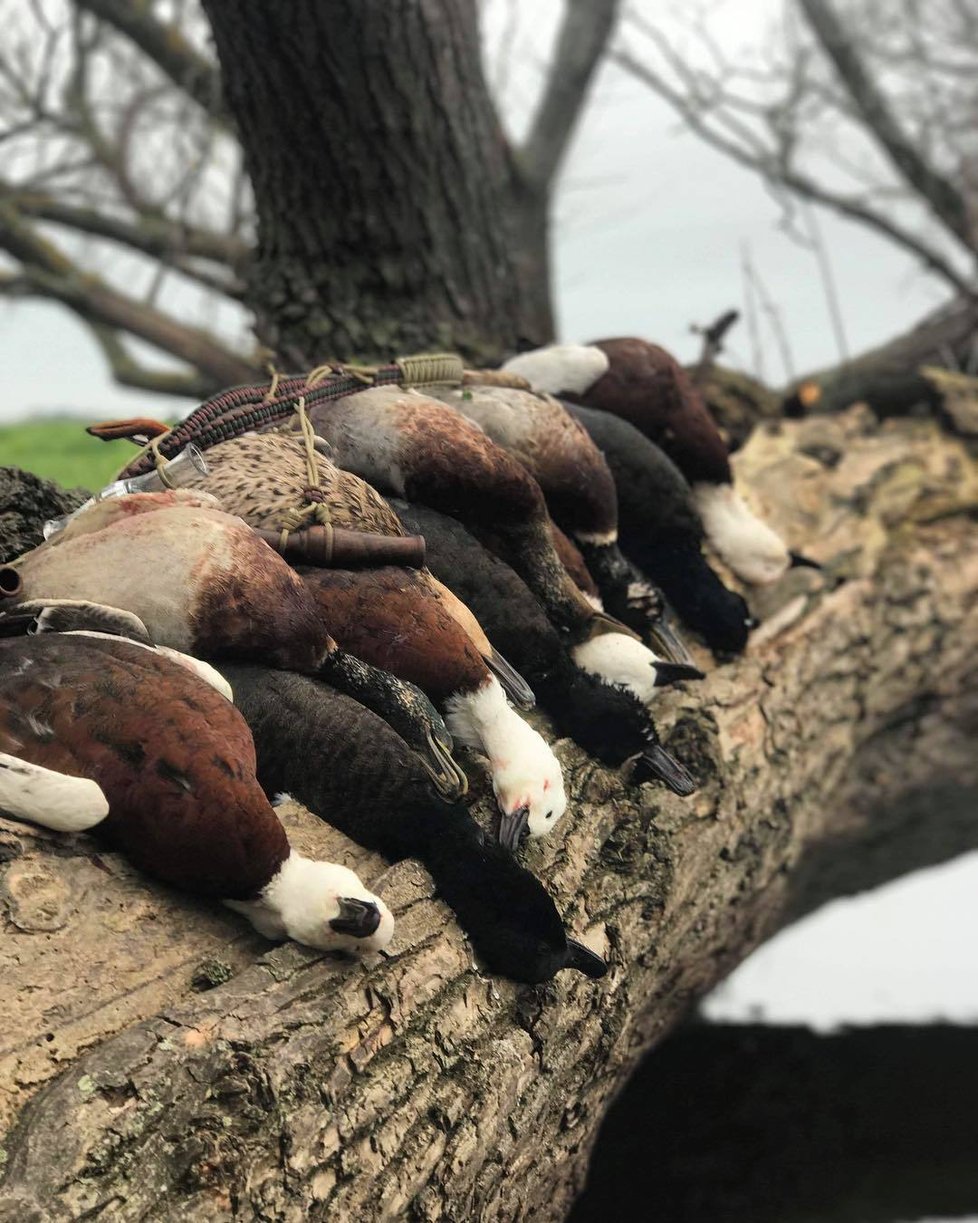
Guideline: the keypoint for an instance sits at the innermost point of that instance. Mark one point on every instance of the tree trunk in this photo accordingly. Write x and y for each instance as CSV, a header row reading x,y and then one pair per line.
x,y
838,753
888,378
871,1125
384,191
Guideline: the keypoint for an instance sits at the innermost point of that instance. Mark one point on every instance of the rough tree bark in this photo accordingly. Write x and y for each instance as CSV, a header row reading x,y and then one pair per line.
x,y
380,177
838,753
889,377
393,214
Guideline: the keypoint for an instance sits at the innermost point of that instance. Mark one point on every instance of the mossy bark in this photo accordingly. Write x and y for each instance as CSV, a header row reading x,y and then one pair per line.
x,y
388,213
839,752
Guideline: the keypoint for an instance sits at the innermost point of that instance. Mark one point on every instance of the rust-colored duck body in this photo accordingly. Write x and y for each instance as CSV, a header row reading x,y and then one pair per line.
x,y
201,581
397,619
262,479
645,385
410,445
104,734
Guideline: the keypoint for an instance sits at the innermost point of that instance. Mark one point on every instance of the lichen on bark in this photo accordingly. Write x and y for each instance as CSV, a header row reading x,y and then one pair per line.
x,y
416,1086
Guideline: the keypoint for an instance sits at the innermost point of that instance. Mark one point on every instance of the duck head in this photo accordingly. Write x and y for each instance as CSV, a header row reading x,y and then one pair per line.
x,y
509,916
323,905
527,779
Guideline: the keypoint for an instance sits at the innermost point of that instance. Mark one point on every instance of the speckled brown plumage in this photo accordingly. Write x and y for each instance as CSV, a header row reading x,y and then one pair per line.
x,y
175,760
647,386
392,618
261,477
540,432
413,446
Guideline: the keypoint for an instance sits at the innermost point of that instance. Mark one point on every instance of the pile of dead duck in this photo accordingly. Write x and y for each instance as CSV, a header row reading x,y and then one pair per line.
x,y
330,584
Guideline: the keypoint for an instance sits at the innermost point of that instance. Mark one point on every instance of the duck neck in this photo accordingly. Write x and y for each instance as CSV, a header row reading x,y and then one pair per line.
x,y
266,910
483,719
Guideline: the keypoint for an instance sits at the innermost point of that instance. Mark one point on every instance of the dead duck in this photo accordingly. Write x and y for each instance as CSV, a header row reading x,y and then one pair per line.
x,y
645,385
662,533
607,720
386,617
414,446
382,799
202,582
100,734
579,488
262,478
410,445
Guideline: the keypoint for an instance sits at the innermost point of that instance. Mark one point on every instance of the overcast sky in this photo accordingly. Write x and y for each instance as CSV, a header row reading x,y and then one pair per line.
x,y
650,228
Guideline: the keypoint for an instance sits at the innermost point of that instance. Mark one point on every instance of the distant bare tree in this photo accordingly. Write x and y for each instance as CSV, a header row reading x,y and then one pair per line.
x,y
866,109
127,196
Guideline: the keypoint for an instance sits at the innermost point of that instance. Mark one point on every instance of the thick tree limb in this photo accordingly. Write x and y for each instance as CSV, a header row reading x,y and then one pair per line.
x,y
584,33
943,197
127,371
303,1087
167,47
154,235
889,377
47,272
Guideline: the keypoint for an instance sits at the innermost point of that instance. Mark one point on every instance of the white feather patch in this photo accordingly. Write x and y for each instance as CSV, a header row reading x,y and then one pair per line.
x,y
752,550
525,772
304,896
50,799
619,659
572,368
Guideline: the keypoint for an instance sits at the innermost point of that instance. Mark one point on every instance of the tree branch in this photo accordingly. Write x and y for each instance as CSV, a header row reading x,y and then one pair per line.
x,y
943,197
151,234
127,371
583,36
167,47
777,173
52,274
297,1086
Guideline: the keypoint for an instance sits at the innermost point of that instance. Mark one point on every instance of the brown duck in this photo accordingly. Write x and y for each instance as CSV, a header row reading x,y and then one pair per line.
x,y
105,734
202,582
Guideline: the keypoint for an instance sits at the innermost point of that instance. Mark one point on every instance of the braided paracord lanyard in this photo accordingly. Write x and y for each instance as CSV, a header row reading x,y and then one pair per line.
x,y
241,409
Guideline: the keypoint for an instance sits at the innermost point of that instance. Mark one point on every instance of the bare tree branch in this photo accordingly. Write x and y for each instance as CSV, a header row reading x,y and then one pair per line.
x,y
583,36
173,244
127,371
167,47
777,173
879,119
50,273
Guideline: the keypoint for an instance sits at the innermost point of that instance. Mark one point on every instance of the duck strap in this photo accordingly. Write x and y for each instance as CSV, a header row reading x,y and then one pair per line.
x,y
315,510
243,409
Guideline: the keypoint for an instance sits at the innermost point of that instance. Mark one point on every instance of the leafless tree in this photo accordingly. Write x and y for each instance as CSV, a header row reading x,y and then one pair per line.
x,y
126,195
866,109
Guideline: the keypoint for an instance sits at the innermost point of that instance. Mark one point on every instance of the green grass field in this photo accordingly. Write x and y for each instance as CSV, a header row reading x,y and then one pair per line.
x,y
60,449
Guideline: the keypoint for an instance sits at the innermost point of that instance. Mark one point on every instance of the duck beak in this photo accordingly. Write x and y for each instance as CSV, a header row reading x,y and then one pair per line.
x,y
584,960
17,624
667,673
657,762
803,562
360,918
513,826
516,687
447,776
